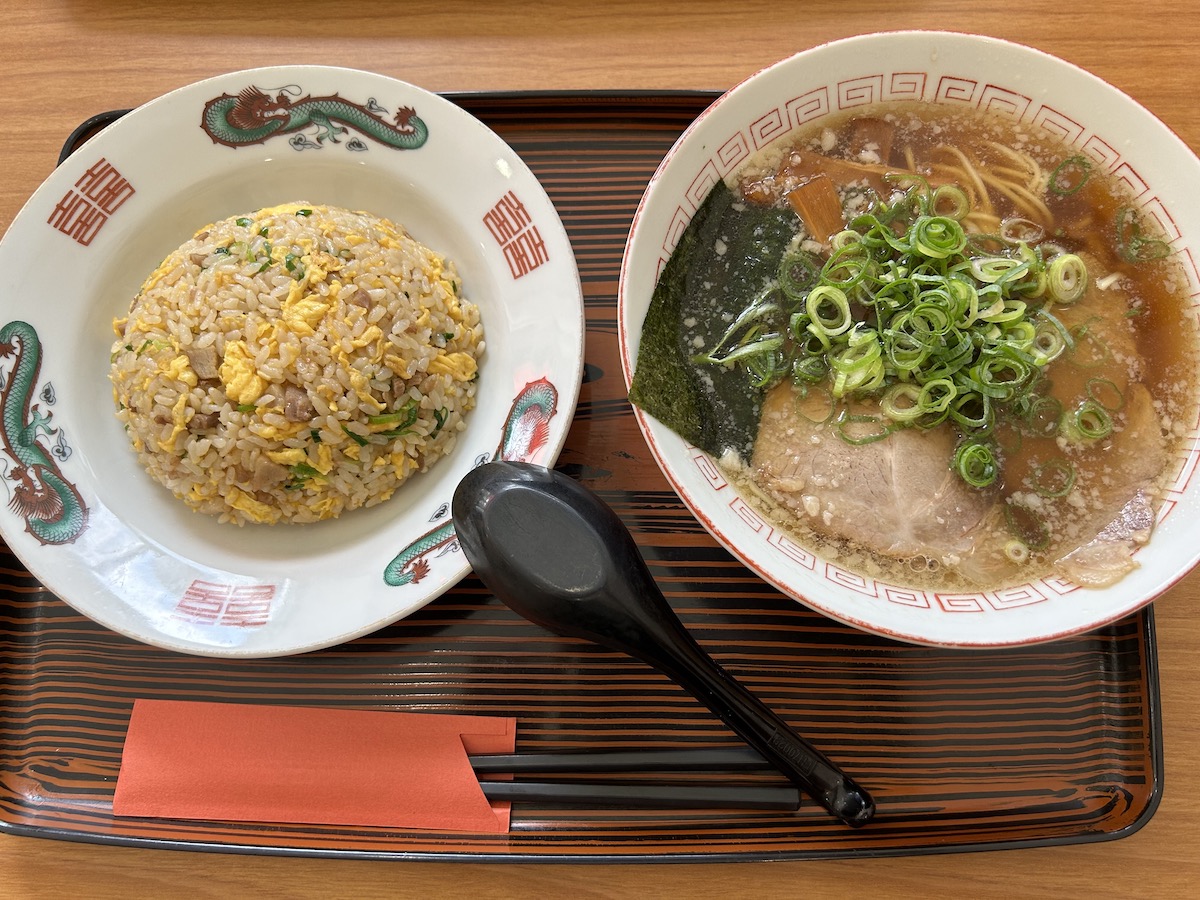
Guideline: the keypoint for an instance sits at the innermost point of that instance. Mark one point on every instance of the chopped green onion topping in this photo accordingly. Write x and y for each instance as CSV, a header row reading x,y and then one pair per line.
x,y
860,429
1050,338
1106,394
828,311
1017,551
1043,415
951,201
798,272
1054,478
973,412
267,261
1070,175
354,436
1132,244
1017,229
301,474
291,262
976,464
901,402
1026,526
402,418
1067,278
1090,421
937,237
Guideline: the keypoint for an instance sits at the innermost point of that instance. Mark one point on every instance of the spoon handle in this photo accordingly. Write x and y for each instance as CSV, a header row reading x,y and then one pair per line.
x,y
667,646
762,728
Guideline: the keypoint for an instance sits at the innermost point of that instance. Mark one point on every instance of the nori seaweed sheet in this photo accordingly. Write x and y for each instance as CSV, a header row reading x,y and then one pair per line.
x,y
712,407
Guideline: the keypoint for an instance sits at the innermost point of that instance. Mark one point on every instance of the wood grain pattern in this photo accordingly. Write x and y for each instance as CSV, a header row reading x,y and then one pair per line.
x,y
66,59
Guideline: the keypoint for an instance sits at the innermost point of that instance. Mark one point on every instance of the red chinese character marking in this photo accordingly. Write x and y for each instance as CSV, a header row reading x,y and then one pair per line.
x,y
202,601
244,606
525,253
80,214
105,186
506,219
75,217
511,225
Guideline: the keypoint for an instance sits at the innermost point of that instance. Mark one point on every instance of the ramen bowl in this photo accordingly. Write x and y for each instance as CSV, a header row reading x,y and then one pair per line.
x,y
79,510
1012,84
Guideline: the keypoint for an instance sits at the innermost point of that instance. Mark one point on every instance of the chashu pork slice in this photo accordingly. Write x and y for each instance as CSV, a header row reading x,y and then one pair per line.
x,y
898,497
1122,512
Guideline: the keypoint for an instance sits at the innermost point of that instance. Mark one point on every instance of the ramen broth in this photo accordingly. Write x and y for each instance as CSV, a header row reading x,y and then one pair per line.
x,y
1129,356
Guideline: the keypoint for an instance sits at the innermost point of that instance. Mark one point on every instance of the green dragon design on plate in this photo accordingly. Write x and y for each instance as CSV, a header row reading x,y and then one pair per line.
x,y
53,510
253,116
526,430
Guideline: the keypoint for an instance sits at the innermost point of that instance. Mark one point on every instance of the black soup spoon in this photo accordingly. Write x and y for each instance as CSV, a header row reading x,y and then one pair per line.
x,y
560,557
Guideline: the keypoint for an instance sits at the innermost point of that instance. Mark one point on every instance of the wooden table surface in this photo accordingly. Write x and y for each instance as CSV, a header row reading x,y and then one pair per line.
x,y
66,59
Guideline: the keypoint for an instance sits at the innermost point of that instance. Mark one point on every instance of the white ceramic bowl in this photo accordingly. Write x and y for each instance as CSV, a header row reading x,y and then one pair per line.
x,y
140,562
956,70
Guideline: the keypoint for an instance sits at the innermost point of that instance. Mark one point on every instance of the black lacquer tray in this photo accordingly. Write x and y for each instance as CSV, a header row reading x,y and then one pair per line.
x,y
963,750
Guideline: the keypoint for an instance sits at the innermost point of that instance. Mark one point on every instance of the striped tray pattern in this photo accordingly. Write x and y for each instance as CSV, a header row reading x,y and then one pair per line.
x,y
963,750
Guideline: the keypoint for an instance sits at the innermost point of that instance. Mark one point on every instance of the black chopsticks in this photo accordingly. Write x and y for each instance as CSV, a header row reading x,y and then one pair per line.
x,y
655,796
687,795
736,759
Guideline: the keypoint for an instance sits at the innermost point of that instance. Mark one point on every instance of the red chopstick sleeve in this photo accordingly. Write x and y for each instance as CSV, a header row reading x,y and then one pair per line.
x,y
244,762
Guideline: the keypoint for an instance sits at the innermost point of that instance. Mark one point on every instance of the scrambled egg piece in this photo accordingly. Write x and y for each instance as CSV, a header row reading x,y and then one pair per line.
x,y
281,432
361,385
371,334
325,507
242,382
402,462
459,366
302,313
179,420
299,456
324,461
290,456
181,370
398,365
254,509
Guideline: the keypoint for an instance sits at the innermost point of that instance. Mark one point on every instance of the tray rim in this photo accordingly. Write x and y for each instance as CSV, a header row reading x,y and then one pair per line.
x,y
1150,665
